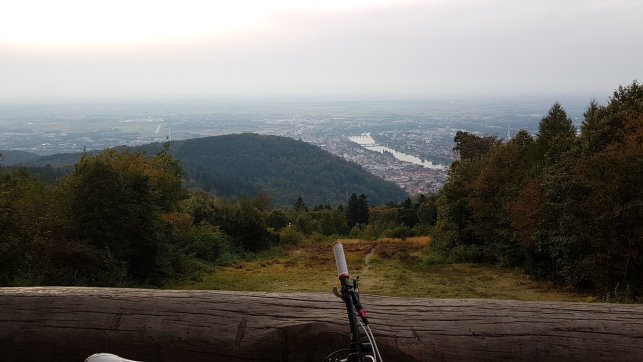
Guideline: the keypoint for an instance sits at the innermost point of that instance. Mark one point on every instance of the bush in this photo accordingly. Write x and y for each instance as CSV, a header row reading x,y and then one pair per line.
x,y
466,253
434,258
422,230
373,231
206,243
356,233
291,236
401,232
316,237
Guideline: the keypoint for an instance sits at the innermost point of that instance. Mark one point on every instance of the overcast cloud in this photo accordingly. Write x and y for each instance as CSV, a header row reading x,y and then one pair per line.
x,y
408,49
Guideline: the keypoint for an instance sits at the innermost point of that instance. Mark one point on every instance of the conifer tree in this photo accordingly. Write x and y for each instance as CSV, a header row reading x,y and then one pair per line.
x,y
357,211
300,205
555,131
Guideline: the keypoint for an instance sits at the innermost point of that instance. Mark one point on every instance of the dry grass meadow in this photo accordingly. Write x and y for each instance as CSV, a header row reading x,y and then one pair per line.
x,y
392,267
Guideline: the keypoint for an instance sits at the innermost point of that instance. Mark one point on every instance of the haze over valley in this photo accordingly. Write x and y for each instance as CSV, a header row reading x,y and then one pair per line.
x,y
421,130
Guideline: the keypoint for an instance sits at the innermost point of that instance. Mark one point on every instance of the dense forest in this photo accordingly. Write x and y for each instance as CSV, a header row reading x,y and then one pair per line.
x,y
247,165
566,205
124,218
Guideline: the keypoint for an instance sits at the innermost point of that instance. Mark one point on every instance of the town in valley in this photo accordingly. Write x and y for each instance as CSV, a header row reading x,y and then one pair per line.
x,y
410,142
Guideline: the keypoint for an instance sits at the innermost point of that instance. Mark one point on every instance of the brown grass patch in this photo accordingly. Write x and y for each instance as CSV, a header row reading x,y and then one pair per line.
x,y
388,266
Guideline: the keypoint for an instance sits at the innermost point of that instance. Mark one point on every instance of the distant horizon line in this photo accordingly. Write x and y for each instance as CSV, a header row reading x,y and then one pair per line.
x,y
294,99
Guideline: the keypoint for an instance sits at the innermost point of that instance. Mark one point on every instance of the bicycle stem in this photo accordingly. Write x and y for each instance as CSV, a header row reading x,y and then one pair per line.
x,y
348,296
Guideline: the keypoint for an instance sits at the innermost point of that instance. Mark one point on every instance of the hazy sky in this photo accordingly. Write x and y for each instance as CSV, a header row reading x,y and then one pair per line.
x,y
76,49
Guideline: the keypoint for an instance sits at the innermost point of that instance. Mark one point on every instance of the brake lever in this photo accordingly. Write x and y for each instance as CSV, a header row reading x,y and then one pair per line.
x,y
336,292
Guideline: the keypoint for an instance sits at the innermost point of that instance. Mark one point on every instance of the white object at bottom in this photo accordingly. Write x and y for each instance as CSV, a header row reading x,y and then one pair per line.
x,y
107,357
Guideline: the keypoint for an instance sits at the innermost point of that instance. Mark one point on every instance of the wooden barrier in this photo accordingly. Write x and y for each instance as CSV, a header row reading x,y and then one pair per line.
x,y
69,324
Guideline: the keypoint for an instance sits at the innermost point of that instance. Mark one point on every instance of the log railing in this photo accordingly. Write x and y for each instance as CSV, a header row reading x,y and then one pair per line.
x,y
69,324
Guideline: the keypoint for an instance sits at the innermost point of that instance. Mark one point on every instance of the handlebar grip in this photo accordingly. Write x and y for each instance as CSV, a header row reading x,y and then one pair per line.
x,y
340,260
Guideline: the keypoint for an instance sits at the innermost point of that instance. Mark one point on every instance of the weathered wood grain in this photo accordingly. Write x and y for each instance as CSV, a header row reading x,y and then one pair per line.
x,y
69,324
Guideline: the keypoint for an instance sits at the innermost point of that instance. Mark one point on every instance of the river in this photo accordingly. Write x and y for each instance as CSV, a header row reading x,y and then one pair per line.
x,y
365,140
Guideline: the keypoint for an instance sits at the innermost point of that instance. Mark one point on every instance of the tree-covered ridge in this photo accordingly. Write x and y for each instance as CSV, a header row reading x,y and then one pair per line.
x,y
12,157
246,164
249,164
563,206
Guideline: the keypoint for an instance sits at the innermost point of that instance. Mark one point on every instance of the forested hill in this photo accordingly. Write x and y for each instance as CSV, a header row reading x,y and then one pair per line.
x,y
247,164
11,157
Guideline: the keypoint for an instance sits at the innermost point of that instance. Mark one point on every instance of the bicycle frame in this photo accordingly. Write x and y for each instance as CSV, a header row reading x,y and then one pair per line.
x,y
349,293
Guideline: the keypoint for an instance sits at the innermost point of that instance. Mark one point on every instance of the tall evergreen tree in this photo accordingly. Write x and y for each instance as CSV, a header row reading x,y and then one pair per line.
x,y
357,212
555,131
300,205
364,213
352,211
407,214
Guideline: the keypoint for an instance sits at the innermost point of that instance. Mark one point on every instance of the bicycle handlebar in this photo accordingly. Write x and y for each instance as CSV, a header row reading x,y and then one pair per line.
x,y
340,260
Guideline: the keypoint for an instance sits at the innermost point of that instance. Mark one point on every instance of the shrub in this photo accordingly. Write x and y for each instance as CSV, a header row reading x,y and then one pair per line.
x,y
466,253
291,236
206,243
401,232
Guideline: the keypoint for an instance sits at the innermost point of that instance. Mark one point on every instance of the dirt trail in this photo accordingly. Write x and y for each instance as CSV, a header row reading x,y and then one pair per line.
x,y
367,260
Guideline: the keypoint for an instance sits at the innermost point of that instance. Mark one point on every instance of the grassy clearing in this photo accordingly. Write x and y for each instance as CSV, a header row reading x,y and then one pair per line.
x,y
386,267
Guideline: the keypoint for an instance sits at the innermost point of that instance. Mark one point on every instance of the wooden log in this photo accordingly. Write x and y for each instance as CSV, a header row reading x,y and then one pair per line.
x,y
69,324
